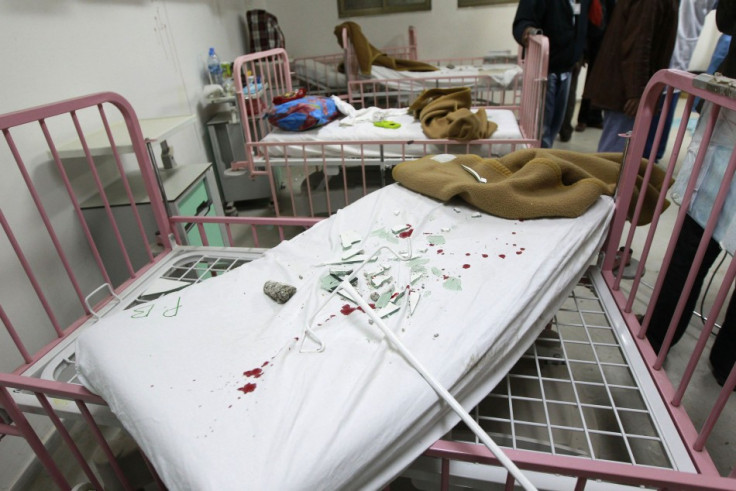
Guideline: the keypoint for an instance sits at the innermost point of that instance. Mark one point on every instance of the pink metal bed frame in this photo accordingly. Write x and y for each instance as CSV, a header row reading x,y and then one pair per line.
x,y
327,67
365,91
33,271
273,68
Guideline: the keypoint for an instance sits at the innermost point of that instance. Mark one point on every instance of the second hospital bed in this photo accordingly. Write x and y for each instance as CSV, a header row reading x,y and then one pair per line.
x,y
496,77
243,389
339,149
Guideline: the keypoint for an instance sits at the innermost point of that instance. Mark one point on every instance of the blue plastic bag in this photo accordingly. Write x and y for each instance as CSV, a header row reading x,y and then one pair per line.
x,y
304,113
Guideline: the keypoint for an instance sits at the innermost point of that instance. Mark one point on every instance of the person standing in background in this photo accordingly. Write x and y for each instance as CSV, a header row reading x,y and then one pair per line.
x,y
689,25
638,41
587,114
723,353
565,24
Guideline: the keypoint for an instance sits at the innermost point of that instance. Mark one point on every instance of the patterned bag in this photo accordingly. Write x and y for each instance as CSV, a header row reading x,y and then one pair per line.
x,y
304,113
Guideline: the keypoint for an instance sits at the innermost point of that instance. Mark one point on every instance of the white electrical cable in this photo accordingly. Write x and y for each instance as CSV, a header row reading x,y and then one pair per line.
x,y
441,391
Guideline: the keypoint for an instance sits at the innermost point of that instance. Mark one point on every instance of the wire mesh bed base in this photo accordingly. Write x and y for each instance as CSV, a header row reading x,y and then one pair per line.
x,y
578,391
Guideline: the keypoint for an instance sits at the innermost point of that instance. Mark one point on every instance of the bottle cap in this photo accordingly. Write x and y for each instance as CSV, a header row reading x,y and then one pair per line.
x,y
212,51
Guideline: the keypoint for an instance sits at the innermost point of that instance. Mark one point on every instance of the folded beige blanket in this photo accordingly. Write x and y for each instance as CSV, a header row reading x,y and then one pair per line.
x,y
368,55
531,183
445,113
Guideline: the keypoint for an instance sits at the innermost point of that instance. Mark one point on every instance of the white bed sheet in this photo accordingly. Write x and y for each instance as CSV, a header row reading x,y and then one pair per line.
x,y
503,74
176,371
410,130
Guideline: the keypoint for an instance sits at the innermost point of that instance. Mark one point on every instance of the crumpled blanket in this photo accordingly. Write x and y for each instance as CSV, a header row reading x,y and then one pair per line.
x,y
369,55
530,183
445,113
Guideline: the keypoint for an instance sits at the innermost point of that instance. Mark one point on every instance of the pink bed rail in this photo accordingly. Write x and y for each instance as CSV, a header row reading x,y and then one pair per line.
x,y
626,233
57,277
365,91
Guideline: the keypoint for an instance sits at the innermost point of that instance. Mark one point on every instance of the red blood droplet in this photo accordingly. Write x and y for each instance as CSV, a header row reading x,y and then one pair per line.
x,y
247,388
407,233
466,266
502,256
484,255
255,373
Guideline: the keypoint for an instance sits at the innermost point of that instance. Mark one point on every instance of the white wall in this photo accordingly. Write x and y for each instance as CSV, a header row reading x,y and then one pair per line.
x,y
445,31
152,52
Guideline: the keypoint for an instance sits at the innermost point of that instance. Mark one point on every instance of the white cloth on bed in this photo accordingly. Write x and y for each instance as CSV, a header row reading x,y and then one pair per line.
x,y
503,74
176,372
410,131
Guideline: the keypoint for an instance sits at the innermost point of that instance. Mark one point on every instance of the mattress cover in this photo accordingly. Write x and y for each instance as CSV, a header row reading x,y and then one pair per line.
x,y
409,131
222,389
502,74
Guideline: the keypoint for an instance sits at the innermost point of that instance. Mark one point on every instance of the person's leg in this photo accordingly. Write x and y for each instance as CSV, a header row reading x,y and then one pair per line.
x,y
614,123
560,103
548,137
674,282
566,129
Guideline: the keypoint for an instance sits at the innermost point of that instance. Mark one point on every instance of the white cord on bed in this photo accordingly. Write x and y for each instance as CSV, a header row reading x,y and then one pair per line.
x,y
441,391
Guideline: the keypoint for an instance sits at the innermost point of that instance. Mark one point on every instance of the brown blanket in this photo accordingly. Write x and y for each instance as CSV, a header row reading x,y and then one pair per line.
x,y
532,183
368,55
445,113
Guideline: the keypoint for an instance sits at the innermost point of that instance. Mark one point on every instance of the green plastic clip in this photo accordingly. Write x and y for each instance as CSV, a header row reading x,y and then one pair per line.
x,y
391,125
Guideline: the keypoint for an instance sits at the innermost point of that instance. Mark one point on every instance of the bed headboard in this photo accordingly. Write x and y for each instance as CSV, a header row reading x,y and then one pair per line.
x,y
88,140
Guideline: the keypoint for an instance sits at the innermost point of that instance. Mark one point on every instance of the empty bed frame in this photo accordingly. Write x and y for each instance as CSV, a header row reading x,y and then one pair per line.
x,y
333,153
46,260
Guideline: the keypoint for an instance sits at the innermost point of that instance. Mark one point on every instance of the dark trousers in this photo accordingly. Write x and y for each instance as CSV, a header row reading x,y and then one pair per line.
x,y
723,353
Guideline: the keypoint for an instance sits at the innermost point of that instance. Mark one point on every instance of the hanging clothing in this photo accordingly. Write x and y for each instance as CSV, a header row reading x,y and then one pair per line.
x,y
638,41
264,31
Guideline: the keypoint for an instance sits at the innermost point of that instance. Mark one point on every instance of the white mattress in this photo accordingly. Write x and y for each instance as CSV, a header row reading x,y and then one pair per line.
x,y
356,414
313,71
410,130
502,74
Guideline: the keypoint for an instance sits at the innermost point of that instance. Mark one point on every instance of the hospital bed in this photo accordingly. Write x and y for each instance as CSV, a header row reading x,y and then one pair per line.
x,y
325,74
496,79
331,154
228,391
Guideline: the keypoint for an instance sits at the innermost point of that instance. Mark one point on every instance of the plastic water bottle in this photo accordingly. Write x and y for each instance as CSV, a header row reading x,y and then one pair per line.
x,y
214,67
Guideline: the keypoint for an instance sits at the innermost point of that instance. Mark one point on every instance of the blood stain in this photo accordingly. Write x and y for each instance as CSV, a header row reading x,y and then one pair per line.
x,y
406,234
502,256
247,388
440,251
484,255
466,266
255,373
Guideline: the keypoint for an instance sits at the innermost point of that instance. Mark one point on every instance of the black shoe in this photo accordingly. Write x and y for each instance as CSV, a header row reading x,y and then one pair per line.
x,y
581,127
565,135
